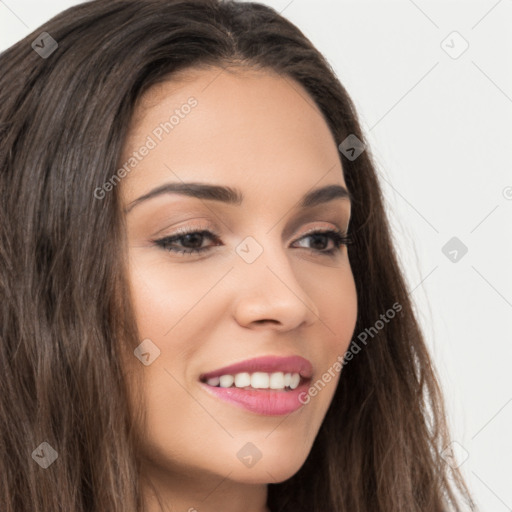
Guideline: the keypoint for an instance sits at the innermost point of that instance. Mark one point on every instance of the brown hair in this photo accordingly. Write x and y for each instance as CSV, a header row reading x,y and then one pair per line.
x,y
66,319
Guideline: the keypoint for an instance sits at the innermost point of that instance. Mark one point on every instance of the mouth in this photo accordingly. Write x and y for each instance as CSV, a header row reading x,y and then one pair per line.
x,y
267,372
266,385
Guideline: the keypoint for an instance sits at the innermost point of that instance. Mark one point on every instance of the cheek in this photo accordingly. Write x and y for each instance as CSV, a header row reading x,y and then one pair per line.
x,y
176,430
346,312
161,302
338,306
162,293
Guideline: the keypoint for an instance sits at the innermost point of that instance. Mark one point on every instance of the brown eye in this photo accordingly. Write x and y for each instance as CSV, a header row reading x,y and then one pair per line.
x,y
191,241
338,238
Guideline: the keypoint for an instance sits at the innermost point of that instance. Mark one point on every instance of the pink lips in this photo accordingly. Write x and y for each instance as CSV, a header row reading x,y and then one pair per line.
x,y
268,402
268,364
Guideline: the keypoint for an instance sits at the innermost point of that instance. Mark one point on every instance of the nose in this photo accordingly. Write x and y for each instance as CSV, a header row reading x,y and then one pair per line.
x,y
268,291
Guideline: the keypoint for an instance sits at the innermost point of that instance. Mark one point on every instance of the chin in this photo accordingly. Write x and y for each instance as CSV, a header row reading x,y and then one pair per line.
x,y
275,469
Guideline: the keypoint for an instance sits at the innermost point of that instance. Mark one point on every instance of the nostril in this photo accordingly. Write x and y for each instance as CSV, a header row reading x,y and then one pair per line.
x,y
264,321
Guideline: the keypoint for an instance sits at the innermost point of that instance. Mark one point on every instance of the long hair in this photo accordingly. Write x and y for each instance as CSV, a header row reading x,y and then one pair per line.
x,y
67,436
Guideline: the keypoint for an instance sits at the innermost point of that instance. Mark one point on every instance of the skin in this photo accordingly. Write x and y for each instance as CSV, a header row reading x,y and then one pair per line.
x,y
261,133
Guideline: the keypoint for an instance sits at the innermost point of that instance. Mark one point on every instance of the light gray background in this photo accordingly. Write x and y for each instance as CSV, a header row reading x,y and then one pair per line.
x,y
440,129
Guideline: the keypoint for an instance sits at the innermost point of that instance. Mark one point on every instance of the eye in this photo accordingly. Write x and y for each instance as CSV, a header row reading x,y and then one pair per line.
x,y
191,241
337,237
193,238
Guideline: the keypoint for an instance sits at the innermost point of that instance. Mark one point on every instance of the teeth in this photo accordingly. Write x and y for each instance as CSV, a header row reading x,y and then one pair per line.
x,y
214,381
276,380
294,381
260,380
226,381
242,380
257,380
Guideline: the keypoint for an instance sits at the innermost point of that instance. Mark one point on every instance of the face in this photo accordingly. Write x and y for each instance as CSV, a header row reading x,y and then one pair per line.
x,y
254,280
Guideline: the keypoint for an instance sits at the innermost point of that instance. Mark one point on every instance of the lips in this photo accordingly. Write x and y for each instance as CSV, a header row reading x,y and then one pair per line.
x,y
269,364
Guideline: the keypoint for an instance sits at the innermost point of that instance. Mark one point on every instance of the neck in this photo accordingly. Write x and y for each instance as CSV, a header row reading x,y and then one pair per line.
x,y
170,492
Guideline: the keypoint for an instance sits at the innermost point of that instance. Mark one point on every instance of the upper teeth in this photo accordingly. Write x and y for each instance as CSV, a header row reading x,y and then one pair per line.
x,y
260,380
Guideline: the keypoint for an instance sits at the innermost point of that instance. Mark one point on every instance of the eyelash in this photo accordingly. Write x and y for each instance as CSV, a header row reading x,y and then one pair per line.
x,y
338,237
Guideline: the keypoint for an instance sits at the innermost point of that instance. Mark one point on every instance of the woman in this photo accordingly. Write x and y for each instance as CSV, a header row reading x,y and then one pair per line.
x,y
171,340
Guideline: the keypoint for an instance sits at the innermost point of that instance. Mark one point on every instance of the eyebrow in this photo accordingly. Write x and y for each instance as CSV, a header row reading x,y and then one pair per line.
x,y
235,197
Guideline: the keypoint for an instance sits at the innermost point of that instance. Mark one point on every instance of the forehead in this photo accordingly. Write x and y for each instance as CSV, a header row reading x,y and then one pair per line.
x,y
237,126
